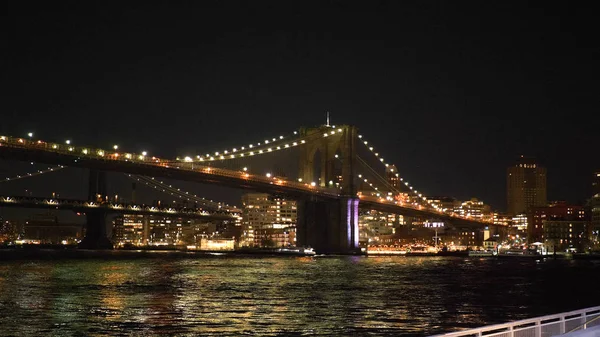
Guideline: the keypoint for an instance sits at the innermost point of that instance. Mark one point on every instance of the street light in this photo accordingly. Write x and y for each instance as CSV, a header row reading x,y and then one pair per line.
x,y
68,141
144,153
115,147
30,134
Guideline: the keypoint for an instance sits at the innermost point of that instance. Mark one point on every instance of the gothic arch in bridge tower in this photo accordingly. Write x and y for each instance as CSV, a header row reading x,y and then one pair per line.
x,y
316,167
323,149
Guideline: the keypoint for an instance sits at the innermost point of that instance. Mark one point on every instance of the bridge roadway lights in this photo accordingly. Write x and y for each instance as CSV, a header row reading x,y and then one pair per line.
x,y
329,227
95,233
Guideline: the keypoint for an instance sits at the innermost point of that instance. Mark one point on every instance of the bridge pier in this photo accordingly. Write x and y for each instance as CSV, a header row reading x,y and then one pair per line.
x,y
329,227
95,231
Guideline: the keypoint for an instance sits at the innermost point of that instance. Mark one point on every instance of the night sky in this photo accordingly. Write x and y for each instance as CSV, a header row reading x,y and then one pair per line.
x,y
451,92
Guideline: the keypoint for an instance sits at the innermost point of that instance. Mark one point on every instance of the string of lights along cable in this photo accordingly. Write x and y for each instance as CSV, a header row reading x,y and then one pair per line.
x,y
33,174
161,186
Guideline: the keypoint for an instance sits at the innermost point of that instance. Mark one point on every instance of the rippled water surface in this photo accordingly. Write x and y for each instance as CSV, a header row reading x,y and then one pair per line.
x,y
131,294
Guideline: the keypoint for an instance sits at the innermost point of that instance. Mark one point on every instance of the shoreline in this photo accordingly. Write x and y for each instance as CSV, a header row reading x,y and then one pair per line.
x,y
51,251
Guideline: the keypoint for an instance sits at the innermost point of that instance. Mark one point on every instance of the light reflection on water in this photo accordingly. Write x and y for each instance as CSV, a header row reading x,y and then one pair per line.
x,y
177,294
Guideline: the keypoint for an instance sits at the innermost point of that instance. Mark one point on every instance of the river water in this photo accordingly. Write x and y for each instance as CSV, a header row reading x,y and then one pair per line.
x,y
184,294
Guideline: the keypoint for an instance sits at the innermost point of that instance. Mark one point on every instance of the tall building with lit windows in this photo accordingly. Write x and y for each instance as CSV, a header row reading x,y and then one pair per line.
x,y
555,211
525,186
268,221
130,229
560,235
157,230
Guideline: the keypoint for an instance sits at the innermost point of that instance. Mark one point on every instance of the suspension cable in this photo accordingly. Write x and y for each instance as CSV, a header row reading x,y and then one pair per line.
x,y
39,172
162,187
377,175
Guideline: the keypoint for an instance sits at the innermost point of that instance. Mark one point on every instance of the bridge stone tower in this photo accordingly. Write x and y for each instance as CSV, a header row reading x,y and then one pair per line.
x,y
95,230
329,225
322,151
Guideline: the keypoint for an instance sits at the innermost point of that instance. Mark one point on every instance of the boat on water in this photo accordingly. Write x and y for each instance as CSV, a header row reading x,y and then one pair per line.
x,y
386,252
482,253
518,252
298,251
295,251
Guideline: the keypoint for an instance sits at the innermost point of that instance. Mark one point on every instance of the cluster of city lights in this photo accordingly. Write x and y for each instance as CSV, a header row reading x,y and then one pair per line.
x,y
32,174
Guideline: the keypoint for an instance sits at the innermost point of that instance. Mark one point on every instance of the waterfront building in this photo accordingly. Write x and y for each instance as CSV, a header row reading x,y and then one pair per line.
x,y
165,231
415,235
525,186
490,243
44,228
555,211
215,244
156,230
566,235
130,229
462,238
268,221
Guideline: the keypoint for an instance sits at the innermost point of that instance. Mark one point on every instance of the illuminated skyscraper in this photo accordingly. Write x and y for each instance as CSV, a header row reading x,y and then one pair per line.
x,y
525,186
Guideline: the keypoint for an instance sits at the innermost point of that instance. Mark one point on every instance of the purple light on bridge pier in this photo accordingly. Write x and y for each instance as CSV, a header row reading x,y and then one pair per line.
x,y
352,222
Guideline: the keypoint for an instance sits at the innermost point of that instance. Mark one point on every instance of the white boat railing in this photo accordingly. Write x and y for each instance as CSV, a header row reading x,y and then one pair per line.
x,y
543,326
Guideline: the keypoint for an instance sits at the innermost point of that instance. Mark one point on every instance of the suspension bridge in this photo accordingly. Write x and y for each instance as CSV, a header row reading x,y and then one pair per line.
x,y
330,171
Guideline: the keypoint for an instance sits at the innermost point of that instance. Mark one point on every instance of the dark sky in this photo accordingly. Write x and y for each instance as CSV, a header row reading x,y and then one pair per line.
x,y
452,92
